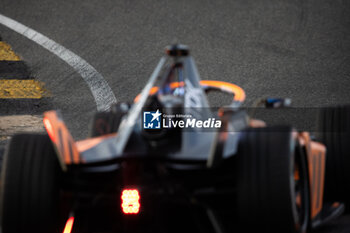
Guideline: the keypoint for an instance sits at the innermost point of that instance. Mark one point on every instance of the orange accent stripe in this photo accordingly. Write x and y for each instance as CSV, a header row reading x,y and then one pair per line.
x,y
316,163
49,129
239,94
296,175
63,141
86,144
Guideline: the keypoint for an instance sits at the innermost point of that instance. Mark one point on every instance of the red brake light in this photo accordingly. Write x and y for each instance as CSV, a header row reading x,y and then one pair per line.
x,y
69,225
130,201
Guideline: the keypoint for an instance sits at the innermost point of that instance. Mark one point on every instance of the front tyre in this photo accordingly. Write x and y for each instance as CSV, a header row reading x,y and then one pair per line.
x,y
272,182
30,186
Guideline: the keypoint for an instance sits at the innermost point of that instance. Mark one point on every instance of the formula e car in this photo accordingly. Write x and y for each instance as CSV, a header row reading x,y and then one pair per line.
x,y
170,163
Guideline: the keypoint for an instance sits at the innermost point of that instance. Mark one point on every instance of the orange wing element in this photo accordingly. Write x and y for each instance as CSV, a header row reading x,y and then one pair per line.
x,y
316,156
239,94
86,144
61,138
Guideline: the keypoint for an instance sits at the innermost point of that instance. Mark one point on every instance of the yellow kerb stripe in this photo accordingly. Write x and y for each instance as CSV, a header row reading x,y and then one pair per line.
x,y
22,89
6,53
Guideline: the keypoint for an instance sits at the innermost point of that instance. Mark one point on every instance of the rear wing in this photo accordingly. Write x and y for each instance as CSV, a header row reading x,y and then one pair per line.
x,y
62,140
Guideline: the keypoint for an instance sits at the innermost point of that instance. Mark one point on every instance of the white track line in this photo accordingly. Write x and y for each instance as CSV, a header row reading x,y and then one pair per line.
x,y
100,89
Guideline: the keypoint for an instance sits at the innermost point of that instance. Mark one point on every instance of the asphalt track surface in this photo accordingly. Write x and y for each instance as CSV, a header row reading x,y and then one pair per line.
x,y
297,49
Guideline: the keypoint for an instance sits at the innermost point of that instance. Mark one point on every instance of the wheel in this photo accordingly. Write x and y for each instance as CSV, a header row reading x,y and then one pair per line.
x,y
334,132
30,186
268,198
108,122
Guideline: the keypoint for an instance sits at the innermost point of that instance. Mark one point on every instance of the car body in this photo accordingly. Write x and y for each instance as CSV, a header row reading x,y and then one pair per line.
x,y
187,179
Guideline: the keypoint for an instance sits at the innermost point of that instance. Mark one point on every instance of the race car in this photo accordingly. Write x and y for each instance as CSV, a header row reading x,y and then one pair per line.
x,y
169,162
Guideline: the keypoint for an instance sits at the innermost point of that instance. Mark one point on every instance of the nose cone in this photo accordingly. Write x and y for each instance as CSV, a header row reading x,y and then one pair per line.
x,y
177,50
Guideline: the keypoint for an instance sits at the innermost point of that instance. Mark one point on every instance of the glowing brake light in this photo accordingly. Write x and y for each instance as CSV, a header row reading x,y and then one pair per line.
x,y
69,225
130,201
